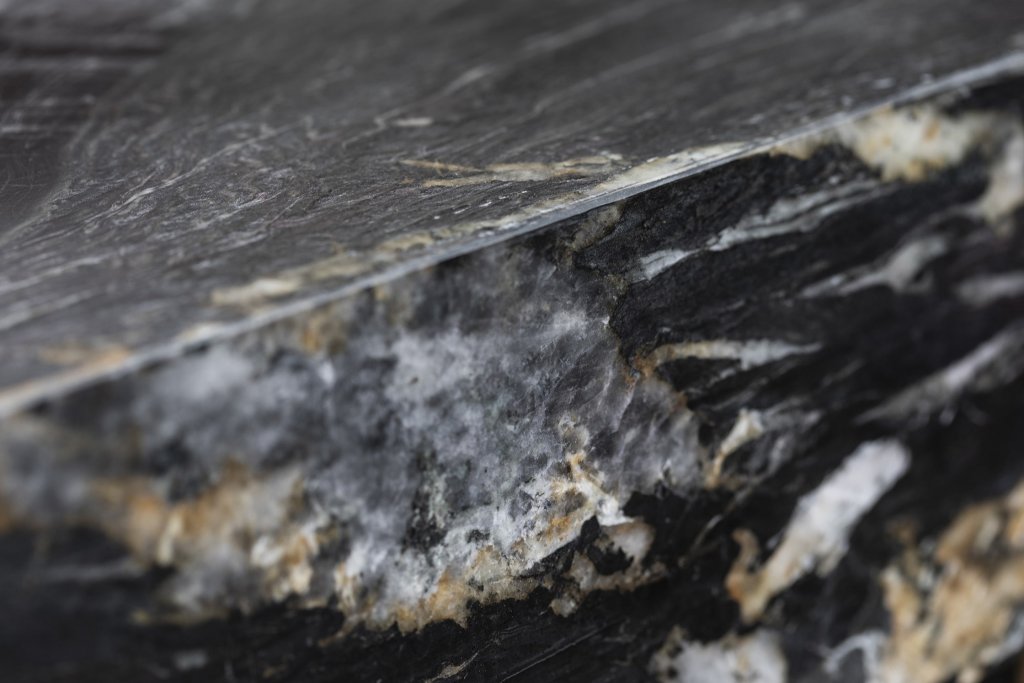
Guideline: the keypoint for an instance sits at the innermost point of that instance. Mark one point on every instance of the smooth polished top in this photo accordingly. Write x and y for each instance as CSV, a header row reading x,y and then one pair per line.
x,y
175,171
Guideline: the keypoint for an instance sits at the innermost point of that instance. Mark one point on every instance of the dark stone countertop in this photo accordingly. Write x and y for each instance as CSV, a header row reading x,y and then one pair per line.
x,y
176,172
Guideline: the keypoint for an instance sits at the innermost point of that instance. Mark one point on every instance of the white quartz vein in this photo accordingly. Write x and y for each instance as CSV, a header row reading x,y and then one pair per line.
x,y
817,534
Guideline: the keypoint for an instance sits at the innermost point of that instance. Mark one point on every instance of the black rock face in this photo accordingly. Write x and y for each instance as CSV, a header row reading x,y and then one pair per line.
x,y
762,417
715,378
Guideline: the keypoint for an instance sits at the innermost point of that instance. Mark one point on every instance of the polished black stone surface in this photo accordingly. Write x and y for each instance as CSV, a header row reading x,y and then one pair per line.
x,y
176,171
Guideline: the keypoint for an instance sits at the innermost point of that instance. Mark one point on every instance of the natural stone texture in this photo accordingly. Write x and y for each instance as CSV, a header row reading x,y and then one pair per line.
x,y
760,422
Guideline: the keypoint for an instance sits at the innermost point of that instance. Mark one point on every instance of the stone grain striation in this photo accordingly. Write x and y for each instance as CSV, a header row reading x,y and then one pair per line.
x,y
238,162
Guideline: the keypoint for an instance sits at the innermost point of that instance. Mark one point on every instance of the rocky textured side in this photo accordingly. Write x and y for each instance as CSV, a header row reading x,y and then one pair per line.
x,y
762,424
